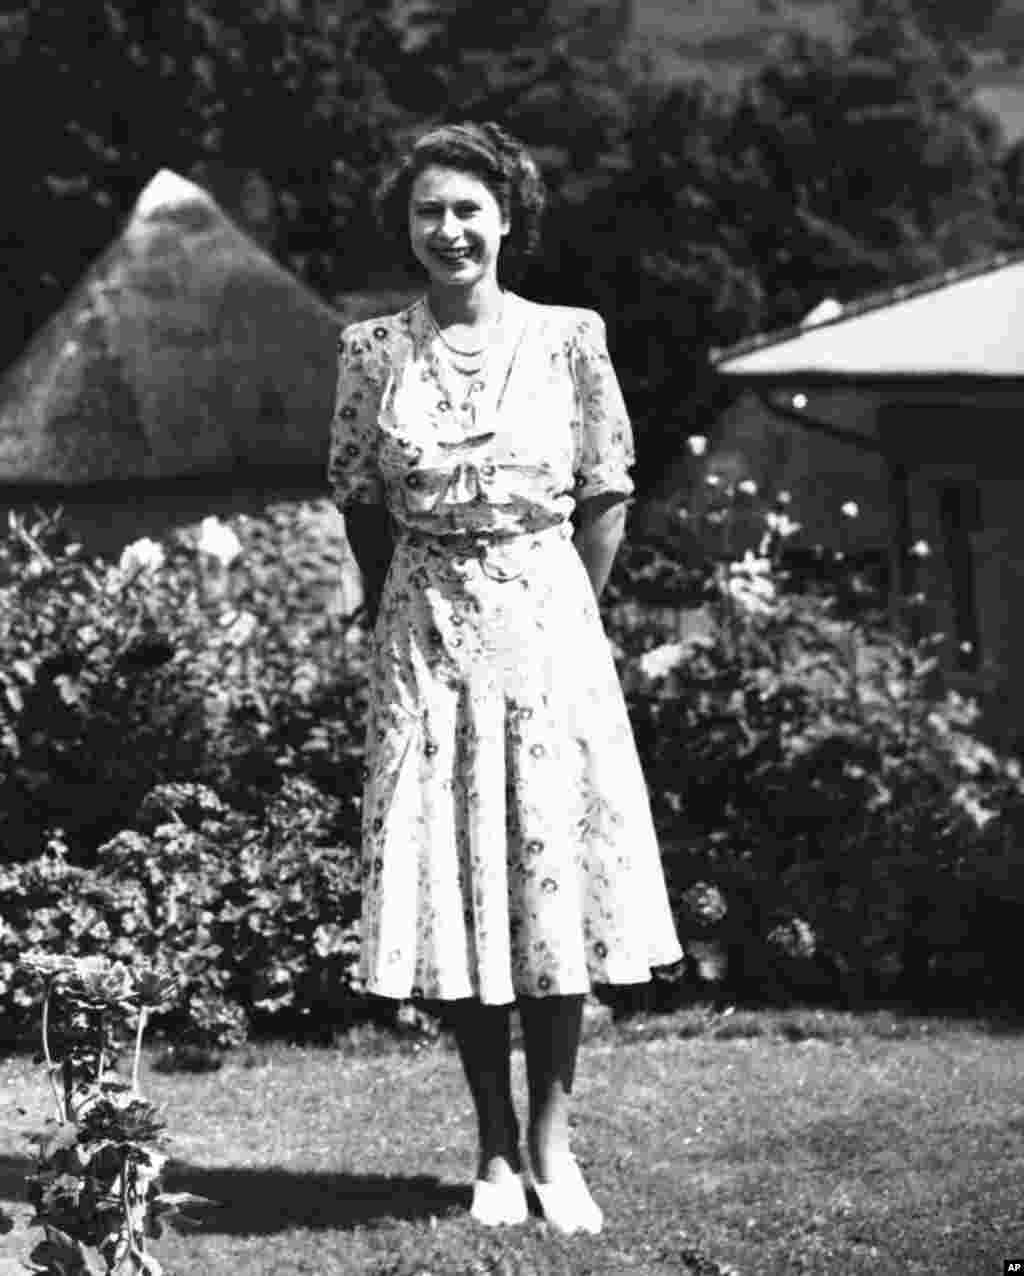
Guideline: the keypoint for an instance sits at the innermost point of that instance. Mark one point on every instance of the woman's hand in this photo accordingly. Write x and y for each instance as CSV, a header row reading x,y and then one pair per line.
x,y
600,525
369,533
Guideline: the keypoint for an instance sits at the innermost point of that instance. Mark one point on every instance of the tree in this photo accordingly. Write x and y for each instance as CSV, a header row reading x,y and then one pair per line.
x,y
283,91
955,19
833,171
312,97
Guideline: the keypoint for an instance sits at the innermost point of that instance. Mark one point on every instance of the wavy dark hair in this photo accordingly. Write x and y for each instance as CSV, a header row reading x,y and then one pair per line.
x,y
491,155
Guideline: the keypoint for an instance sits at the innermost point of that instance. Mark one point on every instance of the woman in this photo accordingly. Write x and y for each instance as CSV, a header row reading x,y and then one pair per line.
x,y
509,854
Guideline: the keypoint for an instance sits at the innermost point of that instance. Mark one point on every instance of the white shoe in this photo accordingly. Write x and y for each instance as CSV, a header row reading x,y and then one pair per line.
x,y
495,1204
566,1201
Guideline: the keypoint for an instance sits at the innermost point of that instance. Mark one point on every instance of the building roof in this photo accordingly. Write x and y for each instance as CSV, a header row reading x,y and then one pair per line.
x,y
964,326
185,349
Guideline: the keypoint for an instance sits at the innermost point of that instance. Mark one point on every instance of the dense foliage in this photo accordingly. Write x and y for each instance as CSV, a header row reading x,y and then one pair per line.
x,y
220,656
688,217
252,919
952,19
223,657
831,823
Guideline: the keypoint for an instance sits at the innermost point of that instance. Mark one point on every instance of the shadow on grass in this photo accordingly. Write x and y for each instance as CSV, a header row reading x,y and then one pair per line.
x,y
252,1202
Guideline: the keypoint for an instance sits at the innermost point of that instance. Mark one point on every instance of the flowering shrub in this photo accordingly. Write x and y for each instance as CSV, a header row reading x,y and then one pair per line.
x,y
221,656
181,748
810,768
97,694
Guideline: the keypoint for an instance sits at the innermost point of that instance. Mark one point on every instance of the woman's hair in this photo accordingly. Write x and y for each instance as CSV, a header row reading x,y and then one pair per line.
x,y
491,155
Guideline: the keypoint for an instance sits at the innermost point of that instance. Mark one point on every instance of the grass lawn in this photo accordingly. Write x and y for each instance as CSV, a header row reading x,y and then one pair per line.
x,y
760,1143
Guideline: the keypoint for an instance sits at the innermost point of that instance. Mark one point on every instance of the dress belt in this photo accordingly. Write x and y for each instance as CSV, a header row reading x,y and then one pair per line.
x,y
478,546
472,542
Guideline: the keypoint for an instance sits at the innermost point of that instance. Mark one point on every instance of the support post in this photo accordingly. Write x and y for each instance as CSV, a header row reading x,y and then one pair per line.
x,y
901,564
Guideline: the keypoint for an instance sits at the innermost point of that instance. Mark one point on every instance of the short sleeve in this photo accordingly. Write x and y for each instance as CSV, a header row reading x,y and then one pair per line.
x,y
604,446
352,469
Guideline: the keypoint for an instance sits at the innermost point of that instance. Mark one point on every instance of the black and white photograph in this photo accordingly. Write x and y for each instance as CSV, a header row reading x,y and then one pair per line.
x,y
511,613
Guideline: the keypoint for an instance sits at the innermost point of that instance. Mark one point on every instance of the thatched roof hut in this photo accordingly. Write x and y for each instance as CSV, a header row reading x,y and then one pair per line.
x,y
185,349
187,374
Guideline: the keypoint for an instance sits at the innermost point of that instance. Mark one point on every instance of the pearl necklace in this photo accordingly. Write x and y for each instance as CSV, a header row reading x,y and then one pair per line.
x,y
456,358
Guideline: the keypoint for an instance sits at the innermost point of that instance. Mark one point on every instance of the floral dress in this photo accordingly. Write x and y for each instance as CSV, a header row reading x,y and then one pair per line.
x,y
508,845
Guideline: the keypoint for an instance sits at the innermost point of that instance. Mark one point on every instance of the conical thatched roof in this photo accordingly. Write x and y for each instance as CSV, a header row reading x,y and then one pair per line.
x,y
184,349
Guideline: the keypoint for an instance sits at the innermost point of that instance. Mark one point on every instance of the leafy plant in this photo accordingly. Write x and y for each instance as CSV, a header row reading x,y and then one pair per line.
x,y
256,918
96,1187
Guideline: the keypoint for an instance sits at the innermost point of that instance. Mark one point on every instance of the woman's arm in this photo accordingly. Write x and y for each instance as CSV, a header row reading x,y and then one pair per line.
x,y
369,532
600,523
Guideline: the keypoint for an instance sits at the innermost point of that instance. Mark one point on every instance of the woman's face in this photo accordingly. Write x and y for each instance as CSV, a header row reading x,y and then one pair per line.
x,y
455,227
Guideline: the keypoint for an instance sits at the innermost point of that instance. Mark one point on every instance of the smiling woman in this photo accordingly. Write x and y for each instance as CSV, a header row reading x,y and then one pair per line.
x,y
480,452
455,225
456,228
496,161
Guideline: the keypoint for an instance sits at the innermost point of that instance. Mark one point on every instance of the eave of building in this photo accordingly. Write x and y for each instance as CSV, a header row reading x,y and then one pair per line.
x,y
956,331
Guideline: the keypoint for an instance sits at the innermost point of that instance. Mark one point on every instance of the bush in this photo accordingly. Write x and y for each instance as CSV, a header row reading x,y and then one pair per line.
x,y
180,755
256,920
220,656
181,748
807,770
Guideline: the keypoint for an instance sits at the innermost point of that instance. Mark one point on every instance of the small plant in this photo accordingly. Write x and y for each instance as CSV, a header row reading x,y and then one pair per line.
x,y
96,1186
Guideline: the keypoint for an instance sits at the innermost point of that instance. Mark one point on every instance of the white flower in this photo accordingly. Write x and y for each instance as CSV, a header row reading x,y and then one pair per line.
x,y
753,596
218,541
782,525
799,402
966,801
751,565
938,723
784,498
921,549
748,487
750,583
698,444
851,509
240,627
143,555
660,661
713,480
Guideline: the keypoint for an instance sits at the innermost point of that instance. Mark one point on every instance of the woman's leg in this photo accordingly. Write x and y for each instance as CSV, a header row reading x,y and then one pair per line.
x,y
551,1036
484,1041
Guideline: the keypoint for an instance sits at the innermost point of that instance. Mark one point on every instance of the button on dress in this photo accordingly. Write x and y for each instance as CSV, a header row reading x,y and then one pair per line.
x,y
508,845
